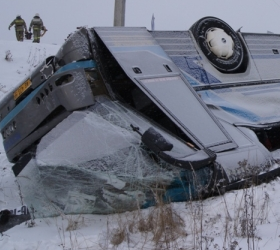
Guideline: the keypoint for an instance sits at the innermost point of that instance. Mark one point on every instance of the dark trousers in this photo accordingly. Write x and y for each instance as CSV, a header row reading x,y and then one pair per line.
x,y
36,35
19,35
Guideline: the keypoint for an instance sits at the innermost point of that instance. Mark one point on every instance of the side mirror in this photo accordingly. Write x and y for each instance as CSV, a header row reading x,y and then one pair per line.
x,y
155,141
194,160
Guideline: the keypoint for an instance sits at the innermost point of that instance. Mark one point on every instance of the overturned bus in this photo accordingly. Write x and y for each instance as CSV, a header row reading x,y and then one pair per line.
x,y
123,115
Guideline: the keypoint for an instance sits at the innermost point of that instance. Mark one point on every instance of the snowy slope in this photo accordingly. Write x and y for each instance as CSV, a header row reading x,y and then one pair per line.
x,y
244,219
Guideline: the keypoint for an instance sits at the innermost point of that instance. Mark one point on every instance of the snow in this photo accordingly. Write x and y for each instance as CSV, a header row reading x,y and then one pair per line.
x,y
244,219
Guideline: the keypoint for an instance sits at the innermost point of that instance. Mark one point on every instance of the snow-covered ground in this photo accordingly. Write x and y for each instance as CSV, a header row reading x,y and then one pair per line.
x,y
244,219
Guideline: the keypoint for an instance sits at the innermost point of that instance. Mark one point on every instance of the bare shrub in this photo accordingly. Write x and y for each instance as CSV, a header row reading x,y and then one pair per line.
x,y
159,226
74,222
9,56
165,224
118,236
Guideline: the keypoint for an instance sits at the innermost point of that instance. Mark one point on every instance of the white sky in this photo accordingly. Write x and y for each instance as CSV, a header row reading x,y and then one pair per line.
x,y
61,17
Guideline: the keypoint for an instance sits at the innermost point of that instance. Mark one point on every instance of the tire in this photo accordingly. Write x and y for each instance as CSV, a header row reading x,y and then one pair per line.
x,y
237,62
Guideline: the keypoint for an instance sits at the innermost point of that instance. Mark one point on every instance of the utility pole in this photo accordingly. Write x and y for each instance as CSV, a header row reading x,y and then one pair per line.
x,y
119,15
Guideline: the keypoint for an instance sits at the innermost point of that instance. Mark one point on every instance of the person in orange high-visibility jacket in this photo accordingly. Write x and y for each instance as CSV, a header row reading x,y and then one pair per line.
x,y
20,27
37,25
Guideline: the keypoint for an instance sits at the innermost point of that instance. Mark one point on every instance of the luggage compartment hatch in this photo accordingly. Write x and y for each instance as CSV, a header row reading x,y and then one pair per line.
x,y
174,97
151,69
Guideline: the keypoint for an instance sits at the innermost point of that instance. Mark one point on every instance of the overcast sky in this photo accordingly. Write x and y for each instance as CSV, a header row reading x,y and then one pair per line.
x,y
61,17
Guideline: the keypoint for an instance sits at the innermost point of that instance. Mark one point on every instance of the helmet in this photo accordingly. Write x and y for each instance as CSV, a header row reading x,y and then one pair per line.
x,y
18,15
37,14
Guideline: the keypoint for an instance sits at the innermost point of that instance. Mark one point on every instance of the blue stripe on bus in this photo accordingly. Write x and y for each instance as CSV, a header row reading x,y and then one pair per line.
x,y
210,97
77,65
25,101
